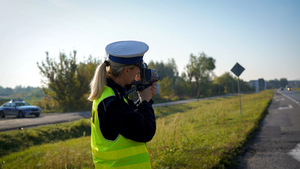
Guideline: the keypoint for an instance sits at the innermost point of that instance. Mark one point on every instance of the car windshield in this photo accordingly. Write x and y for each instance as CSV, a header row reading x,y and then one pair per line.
x,y
22,104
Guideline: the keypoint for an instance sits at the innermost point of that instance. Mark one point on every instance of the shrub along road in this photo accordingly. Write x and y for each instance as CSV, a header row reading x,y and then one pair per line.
x,y
277,143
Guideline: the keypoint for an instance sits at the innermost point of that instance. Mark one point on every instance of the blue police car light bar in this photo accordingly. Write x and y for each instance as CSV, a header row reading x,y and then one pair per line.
x,y
13,100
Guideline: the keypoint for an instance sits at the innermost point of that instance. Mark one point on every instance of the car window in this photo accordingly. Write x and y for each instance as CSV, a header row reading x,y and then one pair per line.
x,y
22,104
25,104
6,105
12,104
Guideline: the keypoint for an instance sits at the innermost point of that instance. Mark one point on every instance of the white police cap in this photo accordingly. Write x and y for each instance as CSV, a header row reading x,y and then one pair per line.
x,y
126,52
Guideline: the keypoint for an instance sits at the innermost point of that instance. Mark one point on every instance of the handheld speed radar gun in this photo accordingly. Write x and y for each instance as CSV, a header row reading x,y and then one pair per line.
x,y
146,79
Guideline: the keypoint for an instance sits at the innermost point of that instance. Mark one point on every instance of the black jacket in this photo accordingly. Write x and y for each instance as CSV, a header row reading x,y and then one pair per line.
x,y
135,121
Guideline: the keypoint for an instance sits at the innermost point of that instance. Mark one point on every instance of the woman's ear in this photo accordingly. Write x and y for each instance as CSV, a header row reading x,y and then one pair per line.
x,y
126,70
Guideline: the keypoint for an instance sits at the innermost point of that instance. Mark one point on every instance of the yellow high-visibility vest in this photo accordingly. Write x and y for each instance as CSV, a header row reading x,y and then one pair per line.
x,y
120,153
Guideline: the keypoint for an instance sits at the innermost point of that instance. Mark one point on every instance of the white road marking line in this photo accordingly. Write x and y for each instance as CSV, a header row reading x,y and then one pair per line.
x,y
290,98
283,108
295,153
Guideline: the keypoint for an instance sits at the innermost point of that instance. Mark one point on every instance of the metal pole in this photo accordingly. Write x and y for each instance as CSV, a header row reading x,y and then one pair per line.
x,y
239,96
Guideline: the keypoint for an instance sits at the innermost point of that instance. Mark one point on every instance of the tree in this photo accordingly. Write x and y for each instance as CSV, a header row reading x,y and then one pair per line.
x,y
6,91
66,81
85,74
18,89
274,83
227,83
166,87
200,68
244,86
283,82
181,87
168,69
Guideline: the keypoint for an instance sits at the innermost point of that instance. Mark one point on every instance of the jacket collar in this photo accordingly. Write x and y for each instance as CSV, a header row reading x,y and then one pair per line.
x,y
111,83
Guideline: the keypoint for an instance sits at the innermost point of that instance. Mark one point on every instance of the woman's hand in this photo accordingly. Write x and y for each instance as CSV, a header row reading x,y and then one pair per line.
x,y
148,93
145,94
153,88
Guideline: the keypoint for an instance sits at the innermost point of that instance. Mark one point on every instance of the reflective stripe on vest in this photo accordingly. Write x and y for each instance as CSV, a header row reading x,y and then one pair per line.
x,y
121,153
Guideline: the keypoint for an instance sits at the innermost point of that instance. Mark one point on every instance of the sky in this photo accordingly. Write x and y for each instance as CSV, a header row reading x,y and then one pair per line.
x,y
261,35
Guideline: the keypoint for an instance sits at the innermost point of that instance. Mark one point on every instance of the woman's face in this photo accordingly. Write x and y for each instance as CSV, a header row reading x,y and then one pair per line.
x,y
133,74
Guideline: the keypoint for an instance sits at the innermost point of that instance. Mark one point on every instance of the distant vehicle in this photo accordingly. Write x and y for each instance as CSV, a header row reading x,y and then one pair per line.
x,y
19,108
281,88
289,88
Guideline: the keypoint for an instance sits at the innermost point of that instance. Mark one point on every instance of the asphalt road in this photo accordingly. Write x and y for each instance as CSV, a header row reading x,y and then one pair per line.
x,y
13,123
277,143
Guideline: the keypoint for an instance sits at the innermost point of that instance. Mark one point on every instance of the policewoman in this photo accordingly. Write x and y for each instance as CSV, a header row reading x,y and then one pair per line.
x,y
120,127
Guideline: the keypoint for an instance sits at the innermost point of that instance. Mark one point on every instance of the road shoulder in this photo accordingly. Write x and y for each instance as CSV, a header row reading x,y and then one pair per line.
x,y
272,145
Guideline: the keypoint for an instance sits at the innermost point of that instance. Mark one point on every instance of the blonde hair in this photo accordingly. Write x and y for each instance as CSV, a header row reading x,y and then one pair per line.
x,y
102,72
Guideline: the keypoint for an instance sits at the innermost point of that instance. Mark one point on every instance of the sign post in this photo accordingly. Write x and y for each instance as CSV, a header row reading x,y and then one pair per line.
x,y
238,70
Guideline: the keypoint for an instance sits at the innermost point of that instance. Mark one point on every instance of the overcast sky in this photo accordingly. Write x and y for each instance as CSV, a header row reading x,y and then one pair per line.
x,y
261,35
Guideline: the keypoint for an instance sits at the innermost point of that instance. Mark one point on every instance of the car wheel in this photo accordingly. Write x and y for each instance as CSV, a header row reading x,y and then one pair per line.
x,y
2,115
20,114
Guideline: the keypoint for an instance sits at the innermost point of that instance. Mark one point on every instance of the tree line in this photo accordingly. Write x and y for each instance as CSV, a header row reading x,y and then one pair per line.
x,y
198,80
282,82
67,81
19,89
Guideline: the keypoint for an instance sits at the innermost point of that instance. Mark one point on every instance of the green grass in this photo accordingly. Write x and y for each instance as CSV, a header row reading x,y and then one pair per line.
x,y
209,135
19,140
73,153
297,89
204,134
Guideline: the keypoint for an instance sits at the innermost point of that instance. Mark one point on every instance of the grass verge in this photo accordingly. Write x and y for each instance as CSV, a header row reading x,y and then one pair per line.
x,y
209,136
204,134
12,141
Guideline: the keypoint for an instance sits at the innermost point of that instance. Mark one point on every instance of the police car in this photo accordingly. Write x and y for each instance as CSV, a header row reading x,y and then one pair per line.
x,y
19,108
